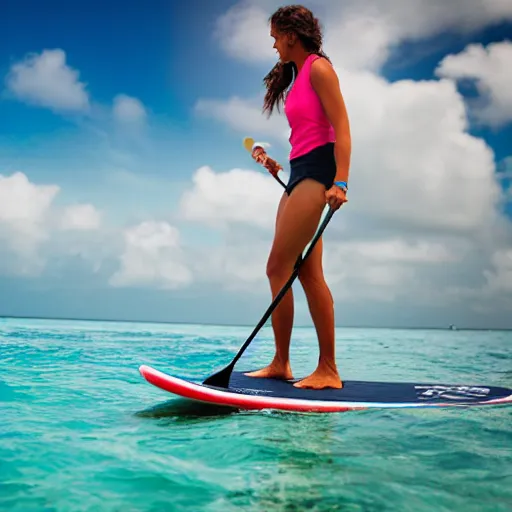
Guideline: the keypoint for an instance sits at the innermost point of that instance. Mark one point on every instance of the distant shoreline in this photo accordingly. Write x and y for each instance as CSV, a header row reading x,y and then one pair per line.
x,y
208,324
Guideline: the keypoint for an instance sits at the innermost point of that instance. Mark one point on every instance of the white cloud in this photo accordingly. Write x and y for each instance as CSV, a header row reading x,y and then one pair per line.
x,y
499,279
152,256
24,210
237,196
400,251
34,231
491,69
237,264
361,269
130,110
81,217
495,290
244,116
412,137
46,80
361,34
244,24
23,201
416,268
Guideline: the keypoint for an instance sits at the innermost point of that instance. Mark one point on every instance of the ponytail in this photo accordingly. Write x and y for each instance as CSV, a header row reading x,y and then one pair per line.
x,y
277,81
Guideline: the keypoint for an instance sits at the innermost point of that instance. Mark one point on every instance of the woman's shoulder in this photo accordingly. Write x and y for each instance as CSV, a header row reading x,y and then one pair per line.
x,y
321,68
319,61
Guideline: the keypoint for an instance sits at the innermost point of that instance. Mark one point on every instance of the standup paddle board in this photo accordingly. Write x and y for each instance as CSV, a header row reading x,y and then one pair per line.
x,y
255,393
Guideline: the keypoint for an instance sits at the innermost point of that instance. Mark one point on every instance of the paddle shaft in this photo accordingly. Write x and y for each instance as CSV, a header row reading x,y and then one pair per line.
x,y
284,289
221,378
279,180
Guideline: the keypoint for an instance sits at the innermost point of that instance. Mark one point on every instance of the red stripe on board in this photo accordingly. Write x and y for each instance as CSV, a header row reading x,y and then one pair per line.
x,y
197,392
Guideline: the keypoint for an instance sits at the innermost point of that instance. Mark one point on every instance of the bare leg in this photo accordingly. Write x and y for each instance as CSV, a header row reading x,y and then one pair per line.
x,y
282,323
296,226
321,307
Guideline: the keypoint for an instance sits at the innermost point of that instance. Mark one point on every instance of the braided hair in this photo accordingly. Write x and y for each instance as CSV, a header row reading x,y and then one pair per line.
x,y
299,20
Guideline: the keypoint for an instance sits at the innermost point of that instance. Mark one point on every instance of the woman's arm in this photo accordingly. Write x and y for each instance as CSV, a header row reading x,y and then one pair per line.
x,y
325,83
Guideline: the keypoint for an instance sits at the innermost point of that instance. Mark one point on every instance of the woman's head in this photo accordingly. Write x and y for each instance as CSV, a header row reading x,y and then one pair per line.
x,y
295,31
294,28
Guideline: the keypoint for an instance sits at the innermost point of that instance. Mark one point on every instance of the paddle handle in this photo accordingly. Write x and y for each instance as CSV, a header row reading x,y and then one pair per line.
x,y
249,145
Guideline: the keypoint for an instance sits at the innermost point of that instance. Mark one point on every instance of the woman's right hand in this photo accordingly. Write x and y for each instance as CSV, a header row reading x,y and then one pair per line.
x,y
262,158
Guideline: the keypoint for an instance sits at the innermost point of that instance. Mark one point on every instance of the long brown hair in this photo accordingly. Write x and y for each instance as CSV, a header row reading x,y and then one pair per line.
x,y
300,20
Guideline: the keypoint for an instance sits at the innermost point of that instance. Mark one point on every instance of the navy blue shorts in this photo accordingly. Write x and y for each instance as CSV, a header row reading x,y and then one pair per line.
x,y
319,165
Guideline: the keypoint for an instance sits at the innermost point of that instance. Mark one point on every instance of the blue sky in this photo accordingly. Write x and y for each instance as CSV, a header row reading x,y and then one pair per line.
x,y
123,126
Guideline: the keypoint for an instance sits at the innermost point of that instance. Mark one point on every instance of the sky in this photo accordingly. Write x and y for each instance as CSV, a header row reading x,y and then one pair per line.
x,y
126,193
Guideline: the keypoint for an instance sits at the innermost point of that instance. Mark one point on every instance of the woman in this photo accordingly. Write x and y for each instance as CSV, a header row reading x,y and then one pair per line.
x,y
319,165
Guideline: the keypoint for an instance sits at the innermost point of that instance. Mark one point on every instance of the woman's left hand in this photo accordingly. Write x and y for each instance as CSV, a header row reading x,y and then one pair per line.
x,y
335,196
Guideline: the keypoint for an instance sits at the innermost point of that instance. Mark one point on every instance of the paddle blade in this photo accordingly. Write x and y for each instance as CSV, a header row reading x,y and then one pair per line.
x,y
220,379
248,143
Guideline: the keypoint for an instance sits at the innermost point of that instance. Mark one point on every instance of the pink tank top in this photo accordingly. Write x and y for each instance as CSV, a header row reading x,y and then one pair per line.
x,y
309,124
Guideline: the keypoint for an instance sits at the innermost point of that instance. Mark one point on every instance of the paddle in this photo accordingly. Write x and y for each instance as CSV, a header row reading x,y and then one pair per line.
x,y
221,378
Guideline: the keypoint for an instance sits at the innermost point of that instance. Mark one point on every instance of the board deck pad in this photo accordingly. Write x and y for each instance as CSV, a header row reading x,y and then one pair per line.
x,y
361,391
256,393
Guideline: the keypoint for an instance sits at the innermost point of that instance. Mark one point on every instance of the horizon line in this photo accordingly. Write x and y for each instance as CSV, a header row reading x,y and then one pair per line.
x,y
211,324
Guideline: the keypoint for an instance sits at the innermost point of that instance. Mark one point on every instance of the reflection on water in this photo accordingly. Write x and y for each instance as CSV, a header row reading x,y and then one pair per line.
x,y
184,408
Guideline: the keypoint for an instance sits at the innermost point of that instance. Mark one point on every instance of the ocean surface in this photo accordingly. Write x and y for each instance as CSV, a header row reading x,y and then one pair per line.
x,y
80,430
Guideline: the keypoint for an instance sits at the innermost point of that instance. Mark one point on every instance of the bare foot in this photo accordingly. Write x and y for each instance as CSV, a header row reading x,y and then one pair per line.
x,y
322,377
273,371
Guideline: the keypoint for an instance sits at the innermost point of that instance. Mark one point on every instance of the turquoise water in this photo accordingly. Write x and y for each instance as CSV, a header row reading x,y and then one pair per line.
x,y
81,430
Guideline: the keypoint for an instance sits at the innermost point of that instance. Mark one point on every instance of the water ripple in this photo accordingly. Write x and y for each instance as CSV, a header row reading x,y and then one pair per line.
x,y
81,430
